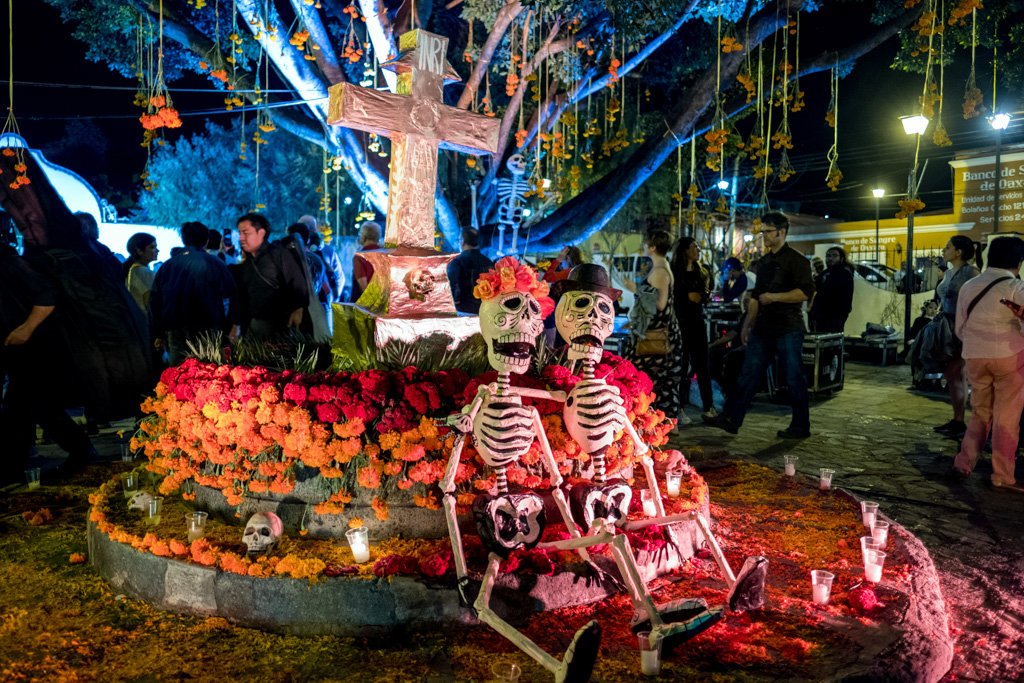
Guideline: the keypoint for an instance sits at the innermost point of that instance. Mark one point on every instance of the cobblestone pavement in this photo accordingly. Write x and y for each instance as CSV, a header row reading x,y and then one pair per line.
x,y
877,434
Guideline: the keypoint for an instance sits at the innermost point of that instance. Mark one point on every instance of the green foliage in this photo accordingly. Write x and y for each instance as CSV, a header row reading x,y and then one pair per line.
x,y
202,178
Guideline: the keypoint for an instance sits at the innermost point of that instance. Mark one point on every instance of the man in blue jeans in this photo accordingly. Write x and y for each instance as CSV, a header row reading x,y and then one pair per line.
x,y
774,328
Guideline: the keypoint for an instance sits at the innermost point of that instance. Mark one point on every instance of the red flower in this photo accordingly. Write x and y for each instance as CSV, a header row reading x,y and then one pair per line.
x,y
295,392
328,412
437,564
391,565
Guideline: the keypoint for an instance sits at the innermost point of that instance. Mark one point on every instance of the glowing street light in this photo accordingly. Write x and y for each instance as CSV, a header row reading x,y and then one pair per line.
x,y
723,184
877,193
914,125
999,122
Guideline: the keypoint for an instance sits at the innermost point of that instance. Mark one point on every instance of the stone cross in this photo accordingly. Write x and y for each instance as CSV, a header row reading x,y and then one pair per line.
x,y
417,121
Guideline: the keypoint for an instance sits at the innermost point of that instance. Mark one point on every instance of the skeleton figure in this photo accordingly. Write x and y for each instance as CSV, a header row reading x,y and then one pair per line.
x,y
512,311
262,532
511,197
594,414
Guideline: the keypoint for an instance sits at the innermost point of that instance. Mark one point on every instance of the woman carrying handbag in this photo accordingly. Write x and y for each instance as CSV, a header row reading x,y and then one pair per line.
x,y
656,341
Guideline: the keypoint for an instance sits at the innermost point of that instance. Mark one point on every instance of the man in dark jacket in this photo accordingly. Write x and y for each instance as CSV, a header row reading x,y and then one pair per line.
x,y
464,270
32,353
833,299
191,295
272,291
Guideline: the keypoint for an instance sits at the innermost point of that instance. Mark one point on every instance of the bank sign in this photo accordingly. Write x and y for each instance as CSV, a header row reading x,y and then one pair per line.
x,y
974,191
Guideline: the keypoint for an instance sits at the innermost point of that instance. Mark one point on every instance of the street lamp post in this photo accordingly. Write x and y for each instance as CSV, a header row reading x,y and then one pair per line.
x,y
999,122
878,193
912,125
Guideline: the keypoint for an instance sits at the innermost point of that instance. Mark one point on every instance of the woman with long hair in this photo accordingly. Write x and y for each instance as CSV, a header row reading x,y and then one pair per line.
x,y
958,252
690,293
652,318
138,277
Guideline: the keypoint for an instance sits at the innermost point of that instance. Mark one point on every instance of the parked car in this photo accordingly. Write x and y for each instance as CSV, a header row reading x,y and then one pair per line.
x,y
878,274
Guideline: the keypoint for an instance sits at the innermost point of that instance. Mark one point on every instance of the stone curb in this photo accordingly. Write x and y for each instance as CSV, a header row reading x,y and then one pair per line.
x,y
351,606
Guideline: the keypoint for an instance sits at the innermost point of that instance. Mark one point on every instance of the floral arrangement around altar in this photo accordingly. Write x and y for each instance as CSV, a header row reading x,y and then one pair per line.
x,y
245,430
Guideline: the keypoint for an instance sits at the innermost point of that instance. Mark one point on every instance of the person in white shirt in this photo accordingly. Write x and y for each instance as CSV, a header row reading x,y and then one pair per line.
x,y
993,351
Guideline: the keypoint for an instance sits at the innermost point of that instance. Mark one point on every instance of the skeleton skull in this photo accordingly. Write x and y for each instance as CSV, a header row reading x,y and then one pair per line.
x,y
419,284
516,165
510,324
140,501
262,532
585,319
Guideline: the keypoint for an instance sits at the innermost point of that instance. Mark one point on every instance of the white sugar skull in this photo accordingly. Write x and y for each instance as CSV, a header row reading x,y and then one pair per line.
x,y
585,319
516,165
262,532
140,501
510,324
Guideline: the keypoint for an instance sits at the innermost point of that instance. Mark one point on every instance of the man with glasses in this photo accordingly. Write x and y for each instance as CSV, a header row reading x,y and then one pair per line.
x,y
774,328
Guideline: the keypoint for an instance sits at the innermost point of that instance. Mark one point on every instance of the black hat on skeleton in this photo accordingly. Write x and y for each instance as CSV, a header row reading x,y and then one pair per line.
x,y
586,277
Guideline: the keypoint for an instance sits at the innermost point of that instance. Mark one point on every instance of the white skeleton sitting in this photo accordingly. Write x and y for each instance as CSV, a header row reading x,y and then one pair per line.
x,y
503,430
594,415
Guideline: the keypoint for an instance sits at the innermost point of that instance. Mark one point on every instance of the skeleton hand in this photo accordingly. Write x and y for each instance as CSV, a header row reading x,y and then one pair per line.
x,y
599,392
463,422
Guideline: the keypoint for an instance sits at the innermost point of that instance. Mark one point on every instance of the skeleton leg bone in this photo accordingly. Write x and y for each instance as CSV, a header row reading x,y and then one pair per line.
x,y
578,662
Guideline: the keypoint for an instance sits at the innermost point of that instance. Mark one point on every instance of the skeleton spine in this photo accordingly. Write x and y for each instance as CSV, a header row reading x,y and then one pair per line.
x,y
502,479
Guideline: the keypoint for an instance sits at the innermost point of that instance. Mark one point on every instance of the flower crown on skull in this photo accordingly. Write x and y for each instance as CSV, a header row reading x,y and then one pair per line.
x,y
509,275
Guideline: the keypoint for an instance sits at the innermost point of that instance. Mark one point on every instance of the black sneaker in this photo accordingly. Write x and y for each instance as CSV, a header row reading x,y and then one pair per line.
x,y
952,426
956,431
722,422
790,433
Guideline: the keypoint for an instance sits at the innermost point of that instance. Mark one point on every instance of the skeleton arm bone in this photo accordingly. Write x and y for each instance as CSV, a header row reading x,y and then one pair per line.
x,y
652,484
540,393
556,481
463,421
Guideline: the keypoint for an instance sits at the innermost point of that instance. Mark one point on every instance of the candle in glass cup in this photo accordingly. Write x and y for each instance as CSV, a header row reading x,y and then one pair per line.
x,y
791,461
648,501
672,481
873,561
153,510
650,654
867,543
196,525
825,479
821,586
868,513
880,532
359,543
130,483
32,475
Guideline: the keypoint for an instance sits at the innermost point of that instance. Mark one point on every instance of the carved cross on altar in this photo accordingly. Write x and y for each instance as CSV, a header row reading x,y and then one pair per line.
x,y
418,122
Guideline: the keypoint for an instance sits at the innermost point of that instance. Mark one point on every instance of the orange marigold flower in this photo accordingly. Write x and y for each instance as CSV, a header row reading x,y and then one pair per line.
x,y
380,508
76,558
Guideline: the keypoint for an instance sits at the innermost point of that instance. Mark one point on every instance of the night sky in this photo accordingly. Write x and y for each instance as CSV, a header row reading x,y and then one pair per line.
x,y
89,124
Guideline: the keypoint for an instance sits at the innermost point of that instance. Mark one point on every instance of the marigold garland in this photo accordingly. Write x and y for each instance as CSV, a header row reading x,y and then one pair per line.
x,y
246,430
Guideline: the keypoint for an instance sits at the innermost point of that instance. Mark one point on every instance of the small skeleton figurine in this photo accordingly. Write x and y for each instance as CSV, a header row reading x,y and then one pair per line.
x,y
594,415
511,196
513,306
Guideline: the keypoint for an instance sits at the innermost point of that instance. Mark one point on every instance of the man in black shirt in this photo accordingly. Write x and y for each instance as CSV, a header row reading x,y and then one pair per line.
x,y
464,270
189,294
774,328
272,291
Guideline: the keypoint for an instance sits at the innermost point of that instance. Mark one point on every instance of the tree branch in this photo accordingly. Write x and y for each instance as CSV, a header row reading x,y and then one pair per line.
x,y
326,57
506,15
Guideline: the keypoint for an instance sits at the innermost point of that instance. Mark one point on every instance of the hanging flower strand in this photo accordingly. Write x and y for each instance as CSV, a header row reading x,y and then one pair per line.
x,y
834,176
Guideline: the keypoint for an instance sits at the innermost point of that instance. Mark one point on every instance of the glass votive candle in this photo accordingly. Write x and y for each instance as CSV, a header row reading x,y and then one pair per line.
x,y
821,586
505,672
196,524
873,561
359,542
126,453
32,475
153,509
130,483
868,513
825,479
650,654
672,482
648,502
791,461
867,543
880,532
